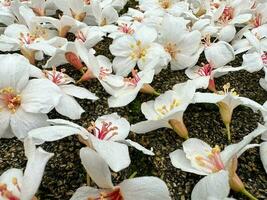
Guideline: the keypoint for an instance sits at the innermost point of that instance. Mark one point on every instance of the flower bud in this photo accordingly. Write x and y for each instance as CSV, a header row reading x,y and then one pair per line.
x,y
148,89
63,31
74,60
87,76
29,54
179,127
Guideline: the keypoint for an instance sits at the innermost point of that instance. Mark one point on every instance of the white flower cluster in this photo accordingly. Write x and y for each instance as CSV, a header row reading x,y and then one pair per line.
x,y
160,33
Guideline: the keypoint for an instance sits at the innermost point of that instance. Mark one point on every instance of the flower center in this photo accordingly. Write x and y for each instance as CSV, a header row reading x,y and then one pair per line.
x,y
133,81
38,33
104,22
10,99
205,70
80,36
113,195
106,132
6,194
165,109
165,4
126,29
257,21
226,90
138,51
227,15
171,48
264,58
212,162
57,77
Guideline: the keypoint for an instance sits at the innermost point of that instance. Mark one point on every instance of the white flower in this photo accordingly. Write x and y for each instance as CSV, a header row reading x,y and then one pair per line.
x,y
227,101
161,7
63,25
67,105
214,186
103,16
263,151
77,9
141,188
140,49
167,110
23,102
148,18
16,185
29,38
182,46
90,36
218,55
107,136
200,158
139,82
255,58
68,53
230,13
117,4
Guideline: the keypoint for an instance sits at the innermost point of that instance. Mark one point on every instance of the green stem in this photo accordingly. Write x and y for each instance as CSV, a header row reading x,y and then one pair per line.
x,y
156,93
228,131
250,196
133,175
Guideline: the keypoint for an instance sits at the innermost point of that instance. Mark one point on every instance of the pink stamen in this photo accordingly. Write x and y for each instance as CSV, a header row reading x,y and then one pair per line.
x,y
205,70
55,76
264,58
228,14
212,162
106,128
126,29
26,39
257,21
134,79
80,36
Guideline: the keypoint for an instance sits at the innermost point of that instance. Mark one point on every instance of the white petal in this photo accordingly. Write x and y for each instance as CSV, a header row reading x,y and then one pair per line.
x,y
145,34
139,147
78,92
252,62
227,33
219,54
22,122
96,167
84,192
122,46
149,125
233,149
52,133
14,71
179,160
144,188
263,154
114,153
34,170
40,95
4,121
214,186
69,107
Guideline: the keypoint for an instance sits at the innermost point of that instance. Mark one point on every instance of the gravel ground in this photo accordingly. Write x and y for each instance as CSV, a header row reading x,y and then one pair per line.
x,y
64,172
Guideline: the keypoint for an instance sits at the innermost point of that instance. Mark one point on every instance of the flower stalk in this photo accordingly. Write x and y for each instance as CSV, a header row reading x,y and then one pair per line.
x,y
179,127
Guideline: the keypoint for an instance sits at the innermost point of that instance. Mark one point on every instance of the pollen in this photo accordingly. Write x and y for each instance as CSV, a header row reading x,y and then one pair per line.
x,y
226,90
138,51
11,100
164,109
165,4
171,48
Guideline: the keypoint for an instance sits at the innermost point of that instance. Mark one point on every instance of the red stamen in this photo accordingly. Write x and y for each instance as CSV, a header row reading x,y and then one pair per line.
x,y
113,195
126,29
